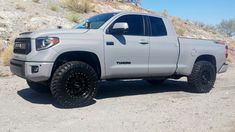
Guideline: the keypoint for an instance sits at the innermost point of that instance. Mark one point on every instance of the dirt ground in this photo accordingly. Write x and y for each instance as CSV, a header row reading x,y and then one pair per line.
x,y
122,106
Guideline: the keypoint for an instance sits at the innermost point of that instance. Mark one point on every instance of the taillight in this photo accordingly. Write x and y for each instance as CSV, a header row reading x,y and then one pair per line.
x,y
226,54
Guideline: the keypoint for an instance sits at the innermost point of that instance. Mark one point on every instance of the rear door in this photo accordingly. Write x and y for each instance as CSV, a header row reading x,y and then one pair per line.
x,y
126,55
164,48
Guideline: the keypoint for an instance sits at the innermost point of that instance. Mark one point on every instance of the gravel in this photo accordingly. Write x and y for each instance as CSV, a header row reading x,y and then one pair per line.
x,y
122,106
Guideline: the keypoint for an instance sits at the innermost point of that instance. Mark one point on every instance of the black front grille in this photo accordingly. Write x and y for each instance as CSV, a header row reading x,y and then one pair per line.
x,y
22,46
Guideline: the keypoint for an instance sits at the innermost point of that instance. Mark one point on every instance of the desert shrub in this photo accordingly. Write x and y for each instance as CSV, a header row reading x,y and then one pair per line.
x,y
165,13
180,31
80,6
54,8
73,17
231,51
20,7
179,26
36,1
206,27
174,20
227,27
7,55
1,46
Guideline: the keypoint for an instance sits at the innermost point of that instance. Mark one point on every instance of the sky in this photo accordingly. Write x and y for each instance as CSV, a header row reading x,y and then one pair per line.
x,y
207,11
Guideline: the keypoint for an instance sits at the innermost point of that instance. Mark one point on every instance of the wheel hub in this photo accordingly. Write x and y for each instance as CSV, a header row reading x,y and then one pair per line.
x,y
206,77
76,85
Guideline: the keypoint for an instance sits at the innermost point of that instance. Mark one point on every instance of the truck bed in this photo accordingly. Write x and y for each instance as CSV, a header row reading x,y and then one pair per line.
x,y
190,49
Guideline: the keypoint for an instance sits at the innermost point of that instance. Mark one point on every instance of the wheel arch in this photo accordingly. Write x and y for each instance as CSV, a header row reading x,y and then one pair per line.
x,y
85,56
207,57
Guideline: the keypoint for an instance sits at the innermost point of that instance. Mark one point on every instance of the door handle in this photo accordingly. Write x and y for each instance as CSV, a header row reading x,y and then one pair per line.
x,y
109,43
143,42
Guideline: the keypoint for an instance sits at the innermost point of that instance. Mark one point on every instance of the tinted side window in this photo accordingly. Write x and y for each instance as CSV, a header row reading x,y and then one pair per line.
x,y
157,26
135,23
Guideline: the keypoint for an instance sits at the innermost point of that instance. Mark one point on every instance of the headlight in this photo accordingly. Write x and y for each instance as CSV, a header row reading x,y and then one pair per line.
x,y
46,42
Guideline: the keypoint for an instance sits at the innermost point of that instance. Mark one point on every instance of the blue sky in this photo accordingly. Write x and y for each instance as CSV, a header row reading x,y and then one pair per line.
x,y
207,11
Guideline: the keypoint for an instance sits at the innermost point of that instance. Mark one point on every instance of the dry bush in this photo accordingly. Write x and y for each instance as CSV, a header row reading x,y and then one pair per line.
x,y
232,44
179,26
174,20
7,50
227,27
20,7
73,17
80,6
165,13
54,7
7,55
36,1
231,57
4,75
180,31
1,46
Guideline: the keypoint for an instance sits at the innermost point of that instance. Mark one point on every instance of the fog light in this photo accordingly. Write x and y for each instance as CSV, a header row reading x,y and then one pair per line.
x,y
35,69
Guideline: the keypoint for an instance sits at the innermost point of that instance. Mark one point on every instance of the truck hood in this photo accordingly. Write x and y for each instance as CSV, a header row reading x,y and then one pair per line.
x,y
43,33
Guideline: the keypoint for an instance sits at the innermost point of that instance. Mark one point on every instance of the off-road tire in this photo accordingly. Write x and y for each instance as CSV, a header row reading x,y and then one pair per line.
x,y
202,78
40,87
74,84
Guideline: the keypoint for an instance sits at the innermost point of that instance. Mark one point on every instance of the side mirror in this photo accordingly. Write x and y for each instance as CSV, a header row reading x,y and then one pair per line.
x,y
119,28
88,25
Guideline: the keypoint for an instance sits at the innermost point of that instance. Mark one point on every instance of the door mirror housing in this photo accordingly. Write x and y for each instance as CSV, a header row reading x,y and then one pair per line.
x,y
119,28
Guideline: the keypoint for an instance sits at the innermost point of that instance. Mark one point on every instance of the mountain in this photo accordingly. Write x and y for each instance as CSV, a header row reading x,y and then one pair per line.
x,y
28,15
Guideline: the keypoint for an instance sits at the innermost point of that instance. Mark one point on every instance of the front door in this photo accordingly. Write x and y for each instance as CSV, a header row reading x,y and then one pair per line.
x,y
127,55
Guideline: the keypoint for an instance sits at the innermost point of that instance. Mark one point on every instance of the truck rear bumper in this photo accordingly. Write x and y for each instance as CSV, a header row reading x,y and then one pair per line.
x,y
224,68
34,71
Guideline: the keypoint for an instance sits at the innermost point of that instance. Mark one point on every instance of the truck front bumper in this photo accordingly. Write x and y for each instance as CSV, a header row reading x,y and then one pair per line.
x,y
224,68
34,71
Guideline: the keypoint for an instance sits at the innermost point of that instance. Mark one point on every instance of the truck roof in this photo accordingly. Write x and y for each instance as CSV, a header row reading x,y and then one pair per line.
x,y
139,13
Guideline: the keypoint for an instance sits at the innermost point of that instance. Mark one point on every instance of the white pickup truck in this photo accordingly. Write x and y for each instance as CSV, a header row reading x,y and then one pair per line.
x,y
125,45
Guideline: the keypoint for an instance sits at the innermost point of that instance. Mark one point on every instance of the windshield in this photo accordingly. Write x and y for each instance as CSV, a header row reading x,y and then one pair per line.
x,y
95,22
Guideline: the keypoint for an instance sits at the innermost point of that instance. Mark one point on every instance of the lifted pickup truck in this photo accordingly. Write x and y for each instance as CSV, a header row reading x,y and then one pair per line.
x,y
125,45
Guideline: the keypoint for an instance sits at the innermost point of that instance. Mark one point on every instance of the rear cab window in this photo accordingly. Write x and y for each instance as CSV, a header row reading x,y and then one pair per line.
x,y
158,27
